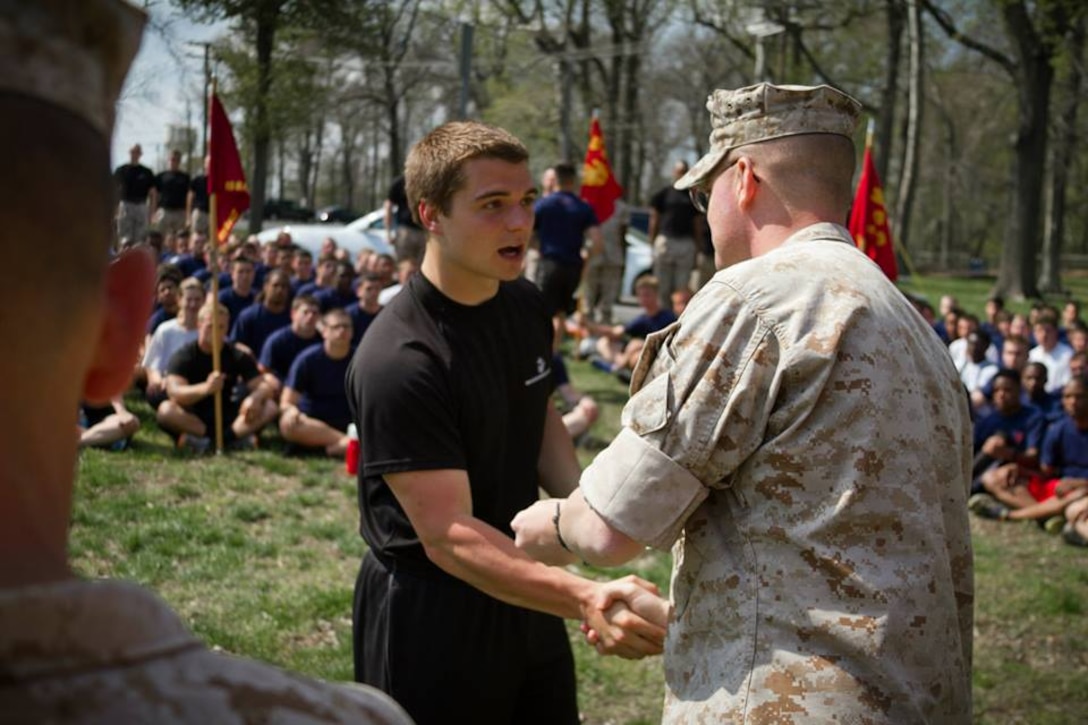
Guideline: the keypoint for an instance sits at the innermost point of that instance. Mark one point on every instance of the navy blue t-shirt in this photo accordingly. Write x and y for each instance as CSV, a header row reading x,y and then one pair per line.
x,y
236,303
329,299
255,324
561,223
281,348
308,288
1065,448
1023,429
319,381
644,324
159,316
360,321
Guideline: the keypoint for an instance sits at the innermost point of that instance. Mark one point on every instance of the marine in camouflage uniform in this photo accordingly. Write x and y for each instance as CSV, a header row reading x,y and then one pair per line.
x,y
112,652
803,443
74,651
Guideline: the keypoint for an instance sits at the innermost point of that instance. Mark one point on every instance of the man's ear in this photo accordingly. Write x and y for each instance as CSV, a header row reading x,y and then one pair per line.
x,y
429,216
130,282
746,183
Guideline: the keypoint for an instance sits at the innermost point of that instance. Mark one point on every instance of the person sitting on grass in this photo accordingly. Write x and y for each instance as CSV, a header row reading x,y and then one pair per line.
x,y
271,313
191,384
342,292
283,346
323,276
168,279
1063,474
168,339
1007,439
108,426
362,314
315,407
1034,382
619,346
239,295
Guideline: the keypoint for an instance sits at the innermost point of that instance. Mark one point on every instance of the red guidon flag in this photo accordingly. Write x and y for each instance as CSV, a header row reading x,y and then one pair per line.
x,y
226,179
599,186
869,219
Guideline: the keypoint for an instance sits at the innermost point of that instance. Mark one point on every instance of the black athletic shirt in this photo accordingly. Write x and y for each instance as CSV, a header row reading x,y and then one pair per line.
x,y
195,365
173,189
676,211
436,384
134,181
199,187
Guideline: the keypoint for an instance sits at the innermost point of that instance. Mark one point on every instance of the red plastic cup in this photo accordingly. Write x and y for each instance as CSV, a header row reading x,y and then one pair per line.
x,y
351,458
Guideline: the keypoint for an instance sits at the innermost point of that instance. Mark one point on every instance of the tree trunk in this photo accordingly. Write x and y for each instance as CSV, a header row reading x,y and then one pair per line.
x,y
267,17
915,105
1061,160
885,124
1017,278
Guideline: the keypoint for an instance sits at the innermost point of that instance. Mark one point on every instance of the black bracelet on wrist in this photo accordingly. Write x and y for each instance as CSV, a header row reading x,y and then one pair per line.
x,y
558,534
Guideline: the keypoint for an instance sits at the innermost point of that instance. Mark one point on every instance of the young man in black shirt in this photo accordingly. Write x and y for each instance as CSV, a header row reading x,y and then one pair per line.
x,y
170,197
191,384
134,183
676,236
450,389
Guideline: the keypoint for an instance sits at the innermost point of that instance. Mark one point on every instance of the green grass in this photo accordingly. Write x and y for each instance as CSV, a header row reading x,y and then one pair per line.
x,y
258,553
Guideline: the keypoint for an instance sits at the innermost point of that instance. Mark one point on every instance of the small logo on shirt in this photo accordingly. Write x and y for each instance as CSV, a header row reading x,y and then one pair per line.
x,y
542,371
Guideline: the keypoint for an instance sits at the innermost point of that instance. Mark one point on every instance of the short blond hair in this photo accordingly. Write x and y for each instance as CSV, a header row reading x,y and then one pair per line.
x,y
206,310
435,167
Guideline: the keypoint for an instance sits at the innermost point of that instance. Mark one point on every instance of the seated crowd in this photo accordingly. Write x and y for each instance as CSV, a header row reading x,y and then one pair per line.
x,y
285,329
1027,379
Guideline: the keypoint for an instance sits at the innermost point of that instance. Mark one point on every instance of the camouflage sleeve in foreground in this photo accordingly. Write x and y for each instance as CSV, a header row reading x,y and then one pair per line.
x,y
111,652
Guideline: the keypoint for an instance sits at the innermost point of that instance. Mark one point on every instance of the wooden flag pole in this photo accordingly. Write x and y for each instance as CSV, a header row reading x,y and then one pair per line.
x,y
214,302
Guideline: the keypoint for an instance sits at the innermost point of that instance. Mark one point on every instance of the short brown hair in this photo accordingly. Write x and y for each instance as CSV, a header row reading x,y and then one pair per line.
x,y
435,167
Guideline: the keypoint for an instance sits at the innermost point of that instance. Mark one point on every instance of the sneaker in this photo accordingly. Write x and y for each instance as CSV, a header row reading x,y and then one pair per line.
x,y
988,507
196,444
247,443
1054,524
1072,536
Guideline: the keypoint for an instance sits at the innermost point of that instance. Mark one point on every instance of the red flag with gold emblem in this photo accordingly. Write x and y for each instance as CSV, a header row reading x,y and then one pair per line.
x,y
869,219
226,179
599,186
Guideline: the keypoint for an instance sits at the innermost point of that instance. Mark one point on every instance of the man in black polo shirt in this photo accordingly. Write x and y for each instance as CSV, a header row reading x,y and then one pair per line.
x,y
673,232
407,237
171,193
134,183
450,390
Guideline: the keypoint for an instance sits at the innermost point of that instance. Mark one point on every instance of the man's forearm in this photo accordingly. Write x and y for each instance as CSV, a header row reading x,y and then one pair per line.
x,y
484,557
186,395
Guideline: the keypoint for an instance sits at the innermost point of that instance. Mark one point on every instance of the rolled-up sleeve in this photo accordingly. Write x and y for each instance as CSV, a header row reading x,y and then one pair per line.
x,y
703,411
640,491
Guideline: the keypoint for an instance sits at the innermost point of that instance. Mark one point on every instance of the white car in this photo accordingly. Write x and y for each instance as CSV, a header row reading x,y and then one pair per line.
x,y
638,261
366,232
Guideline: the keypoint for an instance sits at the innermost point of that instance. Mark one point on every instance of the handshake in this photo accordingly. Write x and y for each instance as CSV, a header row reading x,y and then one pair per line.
x,y
626,617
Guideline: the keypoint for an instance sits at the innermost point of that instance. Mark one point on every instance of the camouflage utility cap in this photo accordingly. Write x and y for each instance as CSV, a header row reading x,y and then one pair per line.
x,y
764,112
69,53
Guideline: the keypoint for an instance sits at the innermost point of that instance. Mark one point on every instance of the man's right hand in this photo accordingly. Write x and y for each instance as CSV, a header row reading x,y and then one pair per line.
x,y
628,619
214,383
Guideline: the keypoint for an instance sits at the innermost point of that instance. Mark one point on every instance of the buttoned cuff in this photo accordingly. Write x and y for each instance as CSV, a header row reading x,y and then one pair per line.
x,y
640,491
